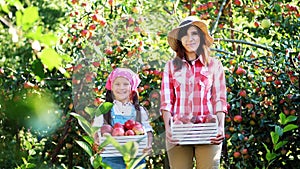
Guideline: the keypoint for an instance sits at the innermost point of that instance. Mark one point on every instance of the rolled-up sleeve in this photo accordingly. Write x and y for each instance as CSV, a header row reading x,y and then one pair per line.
x,y
145,120
219,99
167,90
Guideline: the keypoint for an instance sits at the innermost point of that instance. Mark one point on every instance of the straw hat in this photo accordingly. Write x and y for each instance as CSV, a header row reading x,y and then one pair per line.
x,y
193,20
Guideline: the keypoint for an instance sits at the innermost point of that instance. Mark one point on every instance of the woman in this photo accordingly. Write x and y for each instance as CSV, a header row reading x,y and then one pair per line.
x,y
193,84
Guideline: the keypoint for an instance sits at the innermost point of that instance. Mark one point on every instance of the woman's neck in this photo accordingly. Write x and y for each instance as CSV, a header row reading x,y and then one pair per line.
x,y
190,56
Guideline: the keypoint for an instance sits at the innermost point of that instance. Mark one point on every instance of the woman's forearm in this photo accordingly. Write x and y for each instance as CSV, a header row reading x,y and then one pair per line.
x,y
166,116
221,119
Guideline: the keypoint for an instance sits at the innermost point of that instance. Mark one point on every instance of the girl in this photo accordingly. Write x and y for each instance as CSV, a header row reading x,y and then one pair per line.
x,y
193,84
121,88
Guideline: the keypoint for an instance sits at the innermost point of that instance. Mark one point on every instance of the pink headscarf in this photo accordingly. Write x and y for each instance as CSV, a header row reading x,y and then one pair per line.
x,y
126,73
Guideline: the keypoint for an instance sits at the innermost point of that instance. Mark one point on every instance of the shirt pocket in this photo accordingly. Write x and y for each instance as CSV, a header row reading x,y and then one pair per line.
x,y
205,82
178,79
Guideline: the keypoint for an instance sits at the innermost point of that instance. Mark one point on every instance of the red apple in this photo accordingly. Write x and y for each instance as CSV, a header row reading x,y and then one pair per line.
x,y
109,51
210,119
237,2
238,118
118,132
118,125
129,124
129,133
130,21
185,119
177,122
176,117
236,154
240,71
243,93
210,4
84,33
106,128
198,119
92,27
138,129
228,119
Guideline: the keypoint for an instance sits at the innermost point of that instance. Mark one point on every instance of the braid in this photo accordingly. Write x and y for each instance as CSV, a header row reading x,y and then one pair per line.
x,y
108,98
135,102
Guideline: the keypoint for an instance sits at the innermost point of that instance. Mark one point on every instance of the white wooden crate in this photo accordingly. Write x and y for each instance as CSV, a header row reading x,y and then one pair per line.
x,y
188,134
110,150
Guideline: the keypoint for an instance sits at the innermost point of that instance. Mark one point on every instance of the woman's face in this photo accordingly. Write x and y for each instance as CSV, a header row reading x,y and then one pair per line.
x,y
191,40
121,89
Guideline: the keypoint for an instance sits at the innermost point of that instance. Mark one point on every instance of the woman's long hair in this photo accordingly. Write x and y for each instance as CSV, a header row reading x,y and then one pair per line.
x,y
135,101
203,49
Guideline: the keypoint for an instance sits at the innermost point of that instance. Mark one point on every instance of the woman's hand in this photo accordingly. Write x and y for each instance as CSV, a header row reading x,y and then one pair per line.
x,y
169,136
219,138
167,120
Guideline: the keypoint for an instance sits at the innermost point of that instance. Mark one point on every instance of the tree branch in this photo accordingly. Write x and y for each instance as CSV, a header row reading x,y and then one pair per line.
x,y
247,43
223,51
218,18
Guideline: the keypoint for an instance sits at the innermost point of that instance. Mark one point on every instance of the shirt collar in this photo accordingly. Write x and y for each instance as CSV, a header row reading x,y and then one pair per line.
x,y
122,104
193,62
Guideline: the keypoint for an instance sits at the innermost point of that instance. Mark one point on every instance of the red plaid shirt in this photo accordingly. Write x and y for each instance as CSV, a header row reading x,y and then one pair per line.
x,y
195,89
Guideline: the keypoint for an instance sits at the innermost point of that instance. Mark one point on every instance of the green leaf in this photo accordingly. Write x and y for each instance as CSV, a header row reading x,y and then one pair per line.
x,y
83,123
85,147
30,16
267,149
275,137
19,18
66,58
279,130
109,140
94,129
280,144
289,127
270,156
30,165
90,111
291,118
135,162
88,139
50,58
103,108
38,70
96,162
4,8
49,39
282,118
129,150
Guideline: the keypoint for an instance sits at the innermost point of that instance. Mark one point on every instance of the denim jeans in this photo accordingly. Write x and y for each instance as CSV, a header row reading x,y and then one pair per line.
x,y
118,162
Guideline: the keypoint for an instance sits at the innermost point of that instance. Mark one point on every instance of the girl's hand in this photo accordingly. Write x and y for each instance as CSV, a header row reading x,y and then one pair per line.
x,y
147,150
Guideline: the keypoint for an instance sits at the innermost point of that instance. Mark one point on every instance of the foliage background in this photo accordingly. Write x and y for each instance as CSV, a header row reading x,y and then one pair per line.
x,y
55,57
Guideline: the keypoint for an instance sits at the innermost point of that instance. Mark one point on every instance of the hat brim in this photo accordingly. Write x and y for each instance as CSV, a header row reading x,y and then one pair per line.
x,y
173,34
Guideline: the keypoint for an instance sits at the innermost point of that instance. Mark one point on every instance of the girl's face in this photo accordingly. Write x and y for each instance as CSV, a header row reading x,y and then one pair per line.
x,y
121,89
191,40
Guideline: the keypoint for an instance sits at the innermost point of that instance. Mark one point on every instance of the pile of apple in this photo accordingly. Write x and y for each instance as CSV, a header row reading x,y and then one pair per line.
x,y
194,120
129,128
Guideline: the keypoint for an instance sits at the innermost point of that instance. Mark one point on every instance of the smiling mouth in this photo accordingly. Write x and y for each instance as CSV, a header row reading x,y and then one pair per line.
x,y
192,44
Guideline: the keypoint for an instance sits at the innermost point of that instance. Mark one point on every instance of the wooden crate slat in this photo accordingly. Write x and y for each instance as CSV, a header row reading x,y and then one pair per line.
x,y
110,150
192,134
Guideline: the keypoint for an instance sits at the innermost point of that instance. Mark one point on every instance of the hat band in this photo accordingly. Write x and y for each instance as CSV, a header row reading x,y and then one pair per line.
x,y
185,23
